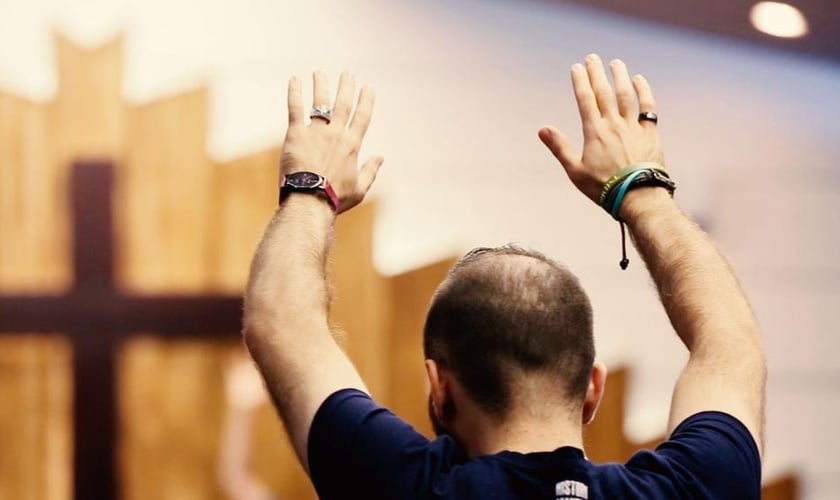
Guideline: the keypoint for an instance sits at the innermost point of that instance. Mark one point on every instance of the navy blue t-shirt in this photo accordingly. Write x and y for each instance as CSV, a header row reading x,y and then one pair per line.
x,y
358,449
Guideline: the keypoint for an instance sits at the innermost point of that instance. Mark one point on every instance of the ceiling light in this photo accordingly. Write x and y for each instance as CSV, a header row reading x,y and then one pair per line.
x,y
779,19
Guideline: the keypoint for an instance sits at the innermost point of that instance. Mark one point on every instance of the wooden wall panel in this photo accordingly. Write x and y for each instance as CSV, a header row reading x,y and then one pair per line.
x,y
35,394
411,294
85,121
164,197
604,438
784,488
33,220
35,391
171,395
171,402
88,115
244,199
360,308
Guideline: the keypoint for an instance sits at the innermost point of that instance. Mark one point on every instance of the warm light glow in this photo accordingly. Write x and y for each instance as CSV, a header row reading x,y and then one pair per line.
x,y
779,19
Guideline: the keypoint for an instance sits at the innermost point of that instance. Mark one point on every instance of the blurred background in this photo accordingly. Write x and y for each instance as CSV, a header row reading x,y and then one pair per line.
x,y
138,144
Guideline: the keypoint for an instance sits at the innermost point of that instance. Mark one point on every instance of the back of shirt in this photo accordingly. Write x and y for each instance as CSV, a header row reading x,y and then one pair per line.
x,y
357,449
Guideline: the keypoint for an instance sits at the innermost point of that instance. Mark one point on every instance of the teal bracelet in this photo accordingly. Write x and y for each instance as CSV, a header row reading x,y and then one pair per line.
x,y
622,191
615,179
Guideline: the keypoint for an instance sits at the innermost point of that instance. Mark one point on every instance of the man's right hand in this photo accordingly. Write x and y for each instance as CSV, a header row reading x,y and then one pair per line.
x,y
614,137
726,370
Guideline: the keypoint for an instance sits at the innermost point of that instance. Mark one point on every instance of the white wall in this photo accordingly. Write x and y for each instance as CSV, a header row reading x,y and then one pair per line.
x,y
750,135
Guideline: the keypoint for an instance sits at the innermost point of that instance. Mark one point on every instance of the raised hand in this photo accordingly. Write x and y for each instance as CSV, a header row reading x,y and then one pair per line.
x,y
329,145
615,133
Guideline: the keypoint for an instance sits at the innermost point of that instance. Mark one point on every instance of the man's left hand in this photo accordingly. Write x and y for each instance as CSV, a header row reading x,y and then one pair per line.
x,y
331,147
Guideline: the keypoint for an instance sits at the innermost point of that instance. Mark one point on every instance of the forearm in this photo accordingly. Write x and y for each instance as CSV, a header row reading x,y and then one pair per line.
x,y
698,289
287,291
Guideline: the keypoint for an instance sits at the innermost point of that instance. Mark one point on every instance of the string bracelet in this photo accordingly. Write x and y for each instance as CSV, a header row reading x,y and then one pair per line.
x,y
645,174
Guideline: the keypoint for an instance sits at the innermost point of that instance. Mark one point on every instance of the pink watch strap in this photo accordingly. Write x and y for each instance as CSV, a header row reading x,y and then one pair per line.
x,y
331,195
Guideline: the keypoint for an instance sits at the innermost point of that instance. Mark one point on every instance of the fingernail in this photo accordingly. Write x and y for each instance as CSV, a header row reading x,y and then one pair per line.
x,y
593,57
616,62
577,67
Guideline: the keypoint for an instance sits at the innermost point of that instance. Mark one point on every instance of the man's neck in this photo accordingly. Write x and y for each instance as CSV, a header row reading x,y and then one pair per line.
x,y
482,435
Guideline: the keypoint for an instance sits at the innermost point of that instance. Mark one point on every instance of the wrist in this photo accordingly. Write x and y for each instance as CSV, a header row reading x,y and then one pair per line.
x,y
644,201
310,183
302,202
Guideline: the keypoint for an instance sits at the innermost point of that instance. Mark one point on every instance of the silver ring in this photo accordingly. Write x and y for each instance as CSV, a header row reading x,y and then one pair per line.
x,y
648,116
323,112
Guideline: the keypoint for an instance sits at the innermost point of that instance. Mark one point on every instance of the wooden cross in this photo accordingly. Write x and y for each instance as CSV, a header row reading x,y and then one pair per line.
x,y
96,316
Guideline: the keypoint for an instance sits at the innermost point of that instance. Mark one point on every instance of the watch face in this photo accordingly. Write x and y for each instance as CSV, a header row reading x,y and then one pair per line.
x,y
304,180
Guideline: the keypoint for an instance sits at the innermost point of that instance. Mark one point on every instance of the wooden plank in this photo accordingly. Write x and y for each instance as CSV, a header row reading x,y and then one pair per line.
x,y
163,198
787,487
412,292
604,438
85,121
33,220
171,403
88,115
35,418
35,390
361,307
171,394
245,197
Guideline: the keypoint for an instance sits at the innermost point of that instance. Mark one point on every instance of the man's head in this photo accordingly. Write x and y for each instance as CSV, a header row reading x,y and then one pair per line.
x,y
508,320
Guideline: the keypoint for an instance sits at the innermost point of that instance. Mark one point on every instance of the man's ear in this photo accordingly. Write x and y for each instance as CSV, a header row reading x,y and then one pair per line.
x,y
595,391
438,389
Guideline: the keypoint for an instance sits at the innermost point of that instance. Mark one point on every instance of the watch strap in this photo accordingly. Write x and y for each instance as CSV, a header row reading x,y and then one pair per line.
x,y
332,196
324,187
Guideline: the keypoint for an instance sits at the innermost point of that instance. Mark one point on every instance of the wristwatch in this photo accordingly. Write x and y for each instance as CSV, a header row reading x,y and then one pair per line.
x,y
308,182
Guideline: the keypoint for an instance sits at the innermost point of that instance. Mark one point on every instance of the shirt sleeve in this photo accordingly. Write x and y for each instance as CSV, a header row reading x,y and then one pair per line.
x,y
709,455
358,449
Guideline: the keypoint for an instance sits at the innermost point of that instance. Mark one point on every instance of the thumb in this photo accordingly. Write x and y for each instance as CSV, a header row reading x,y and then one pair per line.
x,y
367,174
560,147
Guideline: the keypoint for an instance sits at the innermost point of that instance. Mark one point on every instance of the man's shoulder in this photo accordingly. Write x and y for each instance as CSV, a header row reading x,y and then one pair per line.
x,y
709,455
353,439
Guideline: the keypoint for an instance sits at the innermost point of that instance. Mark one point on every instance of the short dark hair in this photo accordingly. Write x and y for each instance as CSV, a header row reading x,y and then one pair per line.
x,y
506,312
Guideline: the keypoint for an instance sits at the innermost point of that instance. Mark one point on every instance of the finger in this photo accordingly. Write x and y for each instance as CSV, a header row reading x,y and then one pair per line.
x,y
604,94
588,107
364,111
295,102
344,99
367,174
560,147
624,93
320,94
646,102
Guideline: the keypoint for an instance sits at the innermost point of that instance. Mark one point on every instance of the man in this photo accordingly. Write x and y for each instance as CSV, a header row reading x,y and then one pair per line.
x,y
508,336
